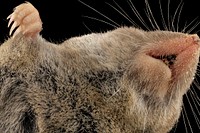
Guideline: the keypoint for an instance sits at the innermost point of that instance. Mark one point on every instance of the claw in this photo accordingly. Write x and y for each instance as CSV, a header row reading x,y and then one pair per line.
x,y
11,20
15,24
17,32
9,16
25,18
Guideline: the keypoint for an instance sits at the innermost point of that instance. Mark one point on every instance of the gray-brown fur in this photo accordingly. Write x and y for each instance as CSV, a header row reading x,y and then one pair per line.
x,y
87,84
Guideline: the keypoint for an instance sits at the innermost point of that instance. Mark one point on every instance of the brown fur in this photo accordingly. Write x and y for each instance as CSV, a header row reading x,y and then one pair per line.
x,y
93,83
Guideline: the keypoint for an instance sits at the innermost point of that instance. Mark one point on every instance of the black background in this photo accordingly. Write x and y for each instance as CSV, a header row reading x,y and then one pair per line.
x,y
63,19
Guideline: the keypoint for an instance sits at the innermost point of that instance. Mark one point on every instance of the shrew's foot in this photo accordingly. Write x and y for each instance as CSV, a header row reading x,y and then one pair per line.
x,y
25,19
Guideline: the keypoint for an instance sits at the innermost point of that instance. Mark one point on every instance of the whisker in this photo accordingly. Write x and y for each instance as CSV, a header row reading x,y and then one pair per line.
x,y
122,13
175,127
87,27
196,97
151,16
162,15
135,11
168,15
196,83
184,27
188,121
184,121
116,24
118,90
175,14
171,94
193,112
196,32
100,21
187,25
192,28
198,72
179,15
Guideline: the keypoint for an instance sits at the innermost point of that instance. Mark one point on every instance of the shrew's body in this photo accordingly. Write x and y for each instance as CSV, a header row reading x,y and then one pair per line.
x,y
122,81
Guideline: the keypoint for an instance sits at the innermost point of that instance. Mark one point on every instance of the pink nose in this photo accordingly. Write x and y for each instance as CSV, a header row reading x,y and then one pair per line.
x,y
196,38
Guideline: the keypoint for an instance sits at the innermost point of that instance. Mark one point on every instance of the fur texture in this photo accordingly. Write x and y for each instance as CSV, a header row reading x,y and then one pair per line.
x,y
96,83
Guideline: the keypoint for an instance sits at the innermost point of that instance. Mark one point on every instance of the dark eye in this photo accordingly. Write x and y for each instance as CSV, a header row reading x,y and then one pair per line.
x,y
167,59
171,57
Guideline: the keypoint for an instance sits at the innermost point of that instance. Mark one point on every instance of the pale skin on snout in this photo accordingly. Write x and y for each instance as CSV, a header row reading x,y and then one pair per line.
x,y
122,81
